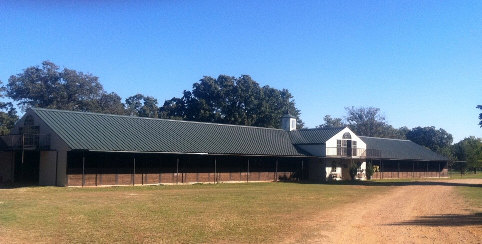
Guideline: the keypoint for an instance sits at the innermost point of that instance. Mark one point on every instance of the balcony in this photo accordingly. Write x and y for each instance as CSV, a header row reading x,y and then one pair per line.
x,y
345,152
25,142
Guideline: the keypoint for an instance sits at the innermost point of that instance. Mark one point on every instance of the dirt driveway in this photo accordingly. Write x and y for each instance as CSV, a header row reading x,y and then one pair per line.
x,y
418,212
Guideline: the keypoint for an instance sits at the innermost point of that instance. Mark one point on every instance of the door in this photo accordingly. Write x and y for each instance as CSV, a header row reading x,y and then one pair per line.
x,y
348,148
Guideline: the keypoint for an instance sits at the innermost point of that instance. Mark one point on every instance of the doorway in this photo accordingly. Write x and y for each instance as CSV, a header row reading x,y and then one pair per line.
x,y
27,172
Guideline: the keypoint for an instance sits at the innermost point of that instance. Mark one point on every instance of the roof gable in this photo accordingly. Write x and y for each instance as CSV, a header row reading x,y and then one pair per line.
x,y
103,132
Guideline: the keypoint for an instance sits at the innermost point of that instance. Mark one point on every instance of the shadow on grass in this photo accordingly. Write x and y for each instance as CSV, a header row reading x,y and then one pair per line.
x,y
18,185
445,220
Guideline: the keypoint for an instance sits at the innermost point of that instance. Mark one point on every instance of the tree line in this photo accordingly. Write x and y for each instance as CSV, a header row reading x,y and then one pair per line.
x,y
225,99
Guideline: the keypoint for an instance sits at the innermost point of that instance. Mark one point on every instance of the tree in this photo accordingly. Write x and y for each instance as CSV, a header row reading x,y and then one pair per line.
x,y
8,114
353,170
480,115
142,106
50,87
331,123
470,150
367,121
231,100
437,140
111,103
369,170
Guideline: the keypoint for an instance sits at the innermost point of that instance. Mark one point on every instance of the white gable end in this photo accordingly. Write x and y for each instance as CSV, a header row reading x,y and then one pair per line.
x,y
345,134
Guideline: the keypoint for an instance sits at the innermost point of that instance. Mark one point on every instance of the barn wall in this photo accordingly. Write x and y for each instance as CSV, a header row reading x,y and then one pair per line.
x,y
47,168
144,169
6,166
316,169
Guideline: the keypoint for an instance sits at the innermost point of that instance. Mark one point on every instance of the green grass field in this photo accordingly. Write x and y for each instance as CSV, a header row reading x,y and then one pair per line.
x,y
467,175
255,212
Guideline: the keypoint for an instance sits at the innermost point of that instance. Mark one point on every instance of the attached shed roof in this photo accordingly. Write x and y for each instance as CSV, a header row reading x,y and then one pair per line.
x,y
401,149
313,136
103,132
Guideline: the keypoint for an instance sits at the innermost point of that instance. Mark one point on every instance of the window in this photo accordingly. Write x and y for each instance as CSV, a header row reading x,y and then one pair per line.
x,y
30,132
338,147
347,135
353,148
293,124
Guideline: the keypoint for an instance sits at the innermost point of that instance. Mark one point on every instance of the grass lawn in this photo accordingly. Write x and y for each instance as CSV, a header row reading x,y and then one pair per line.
x,y
467,175
473,195
255,212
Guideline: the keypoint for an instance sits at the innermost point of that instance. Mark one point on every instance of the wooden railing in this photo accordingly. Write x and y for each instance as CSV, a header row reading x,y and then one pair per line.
x,y
25,142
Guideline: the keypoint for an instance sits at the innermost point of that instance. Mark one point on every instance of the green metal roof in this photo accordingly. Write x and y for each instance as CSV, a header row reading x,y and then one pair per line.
x,y
103,132
401,149
313,136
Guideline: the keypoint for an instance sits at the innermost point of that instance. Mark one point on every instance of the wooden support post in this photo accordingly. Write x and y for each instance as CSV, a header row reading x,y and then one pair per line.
x,y
276,171
142,174
438,169
96,170
56,166
117,176
83,169
215,171
23,148
134,172
247,174
160,169
413,169
398,164
381,169
177,170
13,166
302,169
426,171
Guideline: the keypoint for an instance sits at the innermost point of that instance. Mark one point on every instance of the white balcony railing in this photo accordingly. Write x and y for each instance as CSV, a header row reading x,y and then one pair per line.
x,y
352,152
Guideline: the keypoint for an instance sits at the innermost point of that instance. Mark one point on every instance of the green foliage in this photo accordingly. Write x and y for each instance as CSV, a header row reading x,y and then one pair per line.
x,y
369,170
331,123
142,106
8,114
369,122
480,115
469,150
365,121
50,87
231,100
430,137
460,166
353,170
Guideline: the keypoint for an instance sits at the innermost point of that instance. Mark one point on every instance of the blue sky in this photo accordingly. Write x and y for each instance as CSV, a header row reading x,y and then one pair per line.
x,y
420,62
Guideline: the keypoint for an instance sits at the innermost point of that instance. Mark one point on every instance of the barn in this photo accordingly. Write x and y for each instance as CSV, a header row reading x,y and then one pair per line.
x,y
66,148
